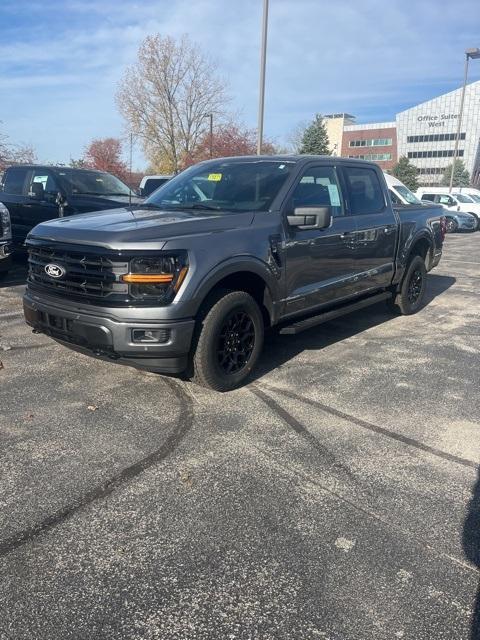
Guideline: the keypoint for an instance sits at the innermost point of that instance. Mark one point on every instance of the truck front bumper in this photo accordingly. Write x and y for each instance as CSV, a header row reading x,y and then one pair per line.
x,y
109,338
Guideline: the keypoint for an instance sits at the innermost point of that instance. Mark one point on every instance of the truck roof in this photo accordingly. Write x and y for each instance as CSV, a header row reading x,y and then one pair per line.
x,y
52,166
289,158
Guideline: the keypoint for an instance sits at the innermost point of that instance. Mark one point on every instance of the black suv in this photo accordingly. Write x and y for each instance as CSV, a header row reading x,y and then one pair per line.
x,y
37,193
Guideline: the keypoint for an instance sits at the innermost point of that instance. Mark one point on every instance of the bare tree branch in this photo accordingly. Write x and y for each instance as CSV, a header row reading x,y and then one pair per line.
x,y
165,98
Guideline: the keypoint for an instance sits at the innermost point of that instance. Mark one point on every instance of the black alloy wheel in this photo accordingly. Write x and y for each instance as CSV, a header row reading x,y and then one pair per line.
x,y
236,341
415,286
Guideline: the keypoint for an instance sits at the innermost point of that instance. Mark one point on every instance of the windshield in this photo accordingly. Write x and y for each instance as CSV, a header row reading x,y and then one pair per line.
x,y
463,198
226,186
474,197
95,183
406,194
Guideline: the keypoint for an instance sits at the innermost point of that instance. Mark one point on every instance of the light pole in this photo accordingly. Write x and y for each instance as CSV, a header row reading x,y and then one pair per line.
x,y
210,141
469,53
263,62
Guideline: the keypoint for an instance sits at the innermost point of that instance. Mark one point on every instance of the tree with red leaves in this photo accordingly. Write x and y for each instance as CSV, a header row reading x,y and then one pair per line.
x,y
105,154
228,140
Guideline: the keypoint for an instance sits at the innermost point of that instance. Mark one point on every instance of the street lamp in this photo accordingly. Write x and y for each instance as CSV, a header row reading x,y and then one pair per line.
x,y
210,143
469,54
263,62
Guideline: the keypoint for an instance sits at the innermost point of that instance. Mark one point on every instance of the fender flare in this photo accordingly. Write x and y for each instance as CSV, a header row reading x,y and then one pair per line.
x,y
231,266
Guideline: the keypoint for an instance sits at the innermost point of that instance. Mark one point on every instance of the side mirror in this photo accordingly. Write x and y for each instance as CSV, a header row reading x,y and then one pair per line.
x,y
60,199
61,202
311,218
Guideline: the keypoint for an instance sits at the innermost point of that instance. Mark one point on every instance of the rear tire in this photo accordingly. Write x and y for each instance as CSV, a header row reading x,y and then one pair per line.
x,y
412,290
451,225
229,343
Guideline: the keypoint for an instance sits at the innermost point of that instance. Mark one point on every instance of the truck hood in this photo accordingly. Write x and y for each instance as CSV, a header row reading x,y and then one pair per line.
x,y
125,228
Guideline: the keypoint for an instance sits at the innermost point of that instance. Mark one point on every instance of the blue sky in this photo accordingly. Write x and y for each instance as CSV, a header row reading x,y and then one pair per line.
x,y
61,60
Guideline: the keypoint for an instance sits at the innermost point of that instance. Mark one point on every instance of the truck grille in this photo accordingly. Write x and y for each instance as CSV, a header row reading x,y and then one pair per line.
x,y
86,275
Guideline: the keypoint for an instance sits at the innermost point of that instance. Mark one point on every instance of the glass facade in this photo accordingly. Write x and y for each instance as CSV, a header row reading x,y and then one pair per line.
x,y
375,142
435,153
374,157
436,137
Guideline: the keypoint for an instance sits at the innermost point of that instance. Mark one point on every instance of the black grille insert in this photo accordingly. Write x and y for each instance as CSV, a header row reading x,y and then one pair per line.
x,y
85,274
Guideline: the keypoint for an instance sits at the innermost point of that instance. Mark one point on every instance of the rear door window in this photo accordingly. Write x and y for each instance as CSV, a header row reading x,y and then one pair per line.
x,y
14,180
365,192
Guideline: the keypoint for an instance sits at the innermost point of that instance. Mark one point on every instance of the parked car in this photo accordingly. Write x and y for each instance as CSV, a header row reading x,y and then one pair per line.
x,y
399,193
472,192
188,282
36,193
149,184
453,201
455,220
5,240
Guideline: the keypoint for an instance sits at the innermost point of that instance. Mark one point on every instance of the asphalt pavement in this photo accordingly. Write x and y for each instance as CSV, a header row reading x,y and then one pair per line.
x,y
335,497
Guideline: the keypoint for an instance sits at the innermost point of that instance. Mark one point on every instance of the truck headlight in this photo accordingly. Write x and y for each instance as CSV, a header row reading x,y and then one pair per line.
x,y
5,224
158,277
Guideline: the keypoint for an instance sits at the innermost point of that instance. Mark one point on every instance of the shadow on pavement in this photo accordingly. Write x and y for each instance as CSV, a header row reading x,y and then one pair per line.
x,y
279,349
471,548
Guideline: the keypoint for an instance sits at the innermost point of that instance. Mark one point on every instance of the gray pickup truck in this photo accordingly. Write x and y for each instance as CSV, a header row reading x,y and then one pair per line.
x,y
187,282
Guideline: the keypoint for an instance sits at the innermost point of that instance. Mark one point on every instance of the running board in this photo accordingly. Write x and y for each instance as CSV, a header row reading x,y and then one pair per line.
x,y
302,325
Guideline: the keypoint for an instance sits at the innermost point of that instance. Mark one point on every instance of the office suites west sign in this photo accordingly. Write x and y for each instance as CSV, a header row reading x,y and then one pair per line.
x,y
439,120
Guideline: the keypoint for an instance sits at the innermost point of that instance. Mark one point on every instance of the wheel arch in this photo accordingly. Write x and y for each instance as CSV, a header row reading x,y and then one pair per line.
x,y
252,276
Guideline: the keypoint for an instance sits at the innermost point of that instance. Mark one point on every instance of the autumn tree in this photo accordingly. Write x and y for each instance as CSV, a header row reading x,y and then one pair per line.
x,y
228,139
407,173
461,177
315,138
11,153
105,154
166,96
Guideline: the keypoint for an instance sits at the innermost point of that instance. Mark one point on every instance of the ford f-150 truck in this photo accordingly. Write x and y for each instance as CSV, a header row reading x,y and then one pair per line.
x,y
36,193
188,281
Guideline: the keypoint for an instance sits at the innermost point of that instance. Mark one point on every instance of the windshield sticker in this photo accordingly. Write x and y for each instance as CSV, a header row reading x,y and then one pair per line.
x,y
214,177
334,195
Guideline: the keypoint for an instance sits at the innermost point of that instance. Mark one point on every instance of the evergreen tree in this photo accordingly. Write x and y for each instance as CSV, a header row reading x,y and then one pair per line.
x,y
315,138
407,173
461,177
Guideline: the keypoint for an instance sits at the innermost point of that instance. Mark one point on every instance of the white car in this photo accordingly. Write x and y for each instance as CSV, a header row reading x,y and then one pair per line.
x,y
453,201
150,183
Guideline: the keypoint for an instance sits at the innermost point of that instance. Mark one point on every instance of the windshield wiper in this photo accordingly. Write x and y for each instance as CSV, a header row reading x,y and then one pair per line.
x,y
197,205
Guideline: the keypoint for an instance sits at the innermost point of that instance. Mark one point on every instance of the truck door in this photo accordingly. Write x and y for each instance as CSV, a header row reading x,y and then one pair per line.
x,y
14,197
377,227
40,204
320,263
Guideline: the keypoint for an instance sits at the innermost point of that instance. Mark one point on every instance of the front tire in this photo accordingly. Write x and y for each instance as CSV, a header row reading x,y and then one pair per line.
x,y
411,296
229,343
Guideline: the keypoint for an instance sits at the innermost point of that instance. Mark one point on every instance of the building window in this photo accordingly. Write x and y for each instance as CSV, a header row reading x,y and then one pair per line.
x,y
441,153
374,157
374,142
431,171
436,137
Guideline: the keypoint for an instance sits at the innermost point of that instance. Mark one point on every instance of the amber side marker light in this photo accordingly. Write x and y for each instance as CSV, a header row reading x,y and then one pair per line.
x,y
181,278
147,278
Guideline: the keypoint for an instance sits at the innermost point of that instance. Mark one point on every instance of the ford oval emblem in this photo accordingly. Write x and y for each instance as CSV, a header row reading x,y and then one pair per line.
x,y
54,270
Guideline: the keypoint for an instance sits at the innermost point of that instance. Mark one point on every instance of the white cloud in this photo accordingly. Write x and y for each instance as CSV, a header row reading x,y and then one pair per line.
x,y
364,57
